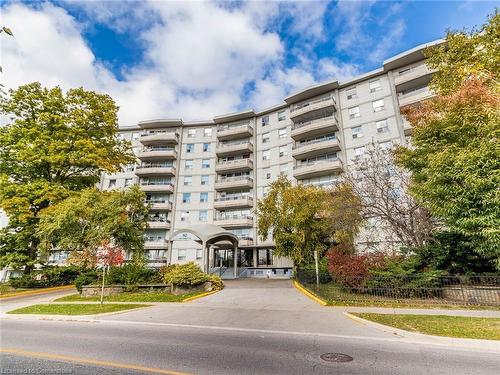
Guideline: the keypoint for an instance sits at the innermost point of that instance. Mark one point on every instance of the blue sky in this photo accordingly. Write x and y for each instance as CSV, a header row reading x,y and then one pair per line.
x,y
198,59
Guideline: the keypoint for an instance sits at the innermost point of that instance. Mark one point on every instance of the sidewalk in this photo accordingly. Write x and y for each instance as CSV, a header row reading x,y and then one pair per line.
x,y
430,311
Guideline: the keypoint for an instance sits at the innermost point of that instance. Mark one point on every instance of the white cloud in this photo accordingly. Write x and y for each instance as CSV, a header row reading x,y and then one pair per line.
x,y
199,58
334,69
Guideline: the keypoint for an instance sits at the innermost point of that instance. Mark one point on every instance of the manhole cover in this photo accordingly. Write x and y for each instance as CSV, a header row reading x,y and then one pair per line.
x,y
336,357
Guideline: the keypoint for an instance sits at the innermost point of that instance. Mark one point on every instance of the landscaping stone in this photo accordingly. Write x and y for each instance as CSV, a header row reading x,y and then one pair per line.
x,y
92,291
185,289
473,294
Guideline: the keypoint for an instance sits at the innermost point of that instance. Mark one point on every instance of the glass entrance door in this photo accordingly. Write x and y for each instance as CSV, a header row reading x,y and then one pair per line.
x,y
223,258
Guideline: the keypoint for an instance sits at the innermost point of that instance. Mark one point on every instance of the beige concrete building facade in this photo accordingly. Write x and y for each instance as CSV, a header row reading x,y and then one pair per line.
x,y
214,171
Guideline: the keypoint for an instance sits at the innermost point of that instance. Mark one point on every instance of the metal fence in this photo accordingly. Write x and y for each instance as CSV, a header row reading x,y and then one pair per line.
x,y
418,288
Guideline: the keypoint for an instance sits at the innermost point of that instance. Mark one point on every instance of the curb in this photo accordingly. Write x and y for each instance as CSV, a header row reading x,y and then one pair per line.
x,y
87,317
459,343
35,292
189,299
308,293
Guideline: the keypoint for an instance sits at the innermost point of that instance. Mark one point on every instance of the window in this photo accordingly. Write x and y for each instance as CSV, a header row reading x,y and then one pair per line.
x,y
266,155
188,164
265,138
267,174
207,132
188,180
190,147
199,254
203,215
351,94
203,197
281,115
205,163
357,132
282,133
265,120
111,184
385,145
284,169
205,180
382,126
128,182
283,150
206,147
354,112
375,85
181,254
378,105
186,197
185,216
359,151
191,133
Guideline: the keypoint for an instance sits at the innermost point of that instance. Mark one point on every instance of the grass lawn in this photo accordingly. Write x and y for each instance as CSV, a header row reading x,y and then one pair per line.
x,y
74,309
130,297
440,325
348,299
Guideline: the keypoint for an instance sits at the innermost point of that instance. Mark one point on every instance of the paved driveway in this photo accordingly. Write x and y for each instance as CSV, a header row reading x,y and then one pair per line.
x,y
273,305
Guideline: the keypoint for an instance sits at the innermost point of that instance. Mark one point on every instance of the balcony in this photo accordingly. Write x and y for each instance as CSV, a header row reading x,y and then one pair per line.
x,y
245,241
156,262
310,106
157,153
233,202
315,147
155,244
234,183
413,73
157,186
415,96
317,169
407,128
160,205
314,128
229,132
154,170
244,147
159,224
150,138
232,166
234,221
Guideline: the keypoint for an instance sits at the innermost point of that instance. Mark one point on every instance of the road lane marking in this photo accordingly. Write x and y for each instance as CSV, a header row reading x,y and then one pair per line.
x,y
88,361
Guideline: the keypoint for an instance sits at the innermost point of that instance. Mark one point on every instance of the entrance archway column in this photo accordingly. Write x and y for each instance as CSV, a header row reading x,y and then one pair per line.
x,y
235,259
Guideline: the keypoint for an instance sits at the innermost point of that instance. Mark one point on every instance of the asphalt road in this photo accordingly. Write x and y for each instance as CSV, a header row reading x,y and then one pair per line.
x,y
209,351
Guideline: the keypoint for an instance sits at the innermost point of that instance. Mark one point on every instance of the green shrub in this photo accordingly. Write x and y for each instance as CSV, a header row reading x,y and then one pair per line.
x,y
131,274
216,281
185,274
47,277
88,277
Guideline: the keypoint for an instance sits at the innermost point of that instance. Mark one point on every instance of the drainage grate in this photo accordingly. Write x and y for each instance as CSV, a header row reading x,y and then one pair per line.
x,y
336,357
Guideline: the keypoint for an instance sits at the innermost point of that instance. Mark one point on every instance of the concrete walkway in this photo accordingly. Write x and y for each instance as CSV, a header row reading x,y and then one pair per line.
x,y
430,311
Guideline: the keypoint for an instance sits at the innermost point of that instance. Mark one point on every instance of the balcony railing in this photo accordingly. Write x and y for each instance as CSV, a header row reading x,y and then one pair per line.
x,y
232,198
312,122
162,183
299,145
241,125
234,179
315,162
311,102
233,217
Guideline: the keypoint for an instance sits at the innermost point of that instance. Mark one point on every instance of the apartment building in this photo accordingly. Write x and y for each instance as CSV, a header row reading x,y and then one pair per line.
x,y
205,177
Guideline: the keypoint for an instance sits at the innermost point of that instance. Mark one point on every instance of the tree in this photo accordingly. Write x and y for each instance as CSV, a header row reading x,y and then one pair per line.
x,y
85,221
384,189
303,219
55,144
455,158
6,30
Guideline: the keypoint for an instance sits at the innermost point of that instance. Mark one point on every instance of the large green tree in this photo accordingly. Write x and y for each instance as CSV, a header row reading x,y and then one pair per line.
x,y
83,222
304,219
455,153
55,143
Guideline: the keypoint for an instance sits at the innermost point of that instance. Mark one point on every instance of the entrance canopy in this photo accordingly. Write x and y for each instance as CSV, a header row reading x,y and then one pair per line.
x,y
207,234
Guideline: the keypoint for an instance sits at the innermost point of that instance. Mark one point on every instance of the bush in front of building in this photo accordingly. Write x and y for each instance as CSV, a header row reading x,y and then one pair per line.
x,y
47,277
132,274
189,274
